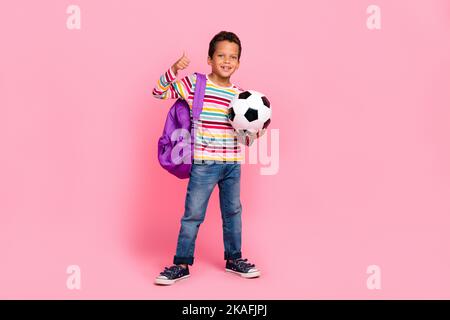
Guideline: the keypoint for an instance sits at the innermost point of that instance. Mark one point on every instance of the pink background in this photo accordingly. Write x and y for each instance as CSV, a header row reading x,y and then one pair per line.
x,y
364,174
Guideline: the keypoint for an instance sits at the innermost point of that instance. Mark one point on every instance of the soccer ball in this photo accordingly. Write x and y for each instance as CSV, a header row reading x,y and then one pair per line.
x,y
249,112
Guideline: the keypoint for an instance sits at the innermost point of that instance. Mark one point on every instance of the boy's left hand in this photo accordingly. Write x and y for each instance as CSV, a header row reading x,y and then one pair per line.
x,y
247,138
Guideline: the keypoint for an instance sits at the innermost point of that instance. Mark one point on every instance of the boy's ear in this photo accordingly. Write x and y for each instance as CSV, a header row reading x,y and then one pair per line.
x,y
209,60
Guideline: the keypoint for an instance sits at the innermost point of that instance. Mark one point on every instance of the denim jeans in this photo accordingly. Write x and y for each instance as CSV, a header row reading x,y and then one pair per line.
x,y
203,178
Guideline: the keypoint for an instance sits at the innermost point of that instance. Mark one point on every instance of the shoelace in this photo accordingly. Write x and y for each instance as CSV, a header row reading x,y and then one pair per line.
x,y
170,272
244,265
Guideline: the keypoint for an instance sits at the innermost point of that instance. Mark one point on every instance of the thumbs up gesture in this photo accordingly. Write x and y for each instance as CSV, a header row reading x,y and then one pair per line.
x,y
181,63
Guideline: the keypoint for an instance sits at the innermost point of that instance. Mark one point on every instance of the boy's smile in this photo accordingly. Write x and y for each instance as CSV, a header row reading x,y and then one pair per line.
x,y
224,63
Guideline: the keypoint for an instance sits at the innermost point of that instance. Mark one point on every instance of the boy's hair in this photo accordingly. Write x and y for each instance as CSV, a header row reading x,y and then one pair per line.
x,y
224,35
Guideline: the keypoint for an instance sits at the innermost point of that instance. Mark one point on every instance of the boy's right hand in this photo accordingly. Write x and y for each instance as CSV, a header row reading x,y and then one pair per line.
x,y
181,64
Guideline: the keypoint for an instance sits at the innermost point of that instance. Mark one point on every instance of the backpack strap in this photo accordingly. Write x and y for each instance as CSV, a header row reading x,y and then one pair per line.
x,y
197,104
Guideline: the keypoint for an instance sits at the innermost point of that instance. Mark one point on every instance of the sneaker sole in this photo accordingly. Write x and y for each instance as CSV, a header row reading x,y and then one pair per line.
x,y
245,275
168,282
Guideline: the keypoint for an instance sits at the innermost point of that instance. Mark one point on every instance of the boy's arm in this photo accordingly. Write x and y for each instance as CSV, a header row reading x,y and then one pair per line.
x,y
167,86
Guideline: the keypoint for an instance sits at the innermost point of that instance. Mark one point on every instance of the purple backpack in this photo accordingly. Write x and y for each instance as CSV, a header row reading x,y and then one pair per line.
x,y
176,145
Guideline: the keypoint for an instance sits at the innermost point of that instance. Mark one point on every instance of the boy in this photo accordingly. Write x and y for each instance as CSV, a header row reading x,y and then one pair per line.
x,y
217,157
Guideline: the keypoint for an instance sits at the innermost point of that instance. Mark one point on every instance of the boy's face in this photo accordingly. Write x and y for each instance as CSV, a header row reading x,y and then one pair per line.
x,y
225,59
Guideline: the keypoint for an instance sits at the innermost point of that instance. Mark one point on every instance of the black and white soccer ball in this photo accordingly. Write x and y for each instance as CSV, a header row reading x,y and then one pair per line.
x,y
249,112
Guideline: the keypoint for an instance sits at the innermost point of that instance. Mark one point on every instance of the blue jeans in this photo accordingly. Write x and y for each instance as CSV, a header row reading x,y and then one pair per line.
x,y
203,179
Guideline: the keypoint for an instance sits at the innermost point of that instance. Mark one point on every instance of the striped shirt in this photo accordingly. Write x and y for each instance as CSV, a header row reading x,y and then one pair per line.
x,y
215,138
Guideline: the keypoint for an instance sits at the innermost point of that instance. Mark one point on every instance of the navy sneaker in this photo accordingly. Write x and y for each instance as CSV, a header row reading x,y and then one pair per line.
x,y
173,274
242,268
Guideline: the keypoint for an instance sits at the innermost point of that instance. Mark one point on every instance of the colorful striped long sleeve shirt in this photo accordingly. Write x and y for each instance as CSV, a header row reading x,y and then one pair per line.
x,y
215,138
